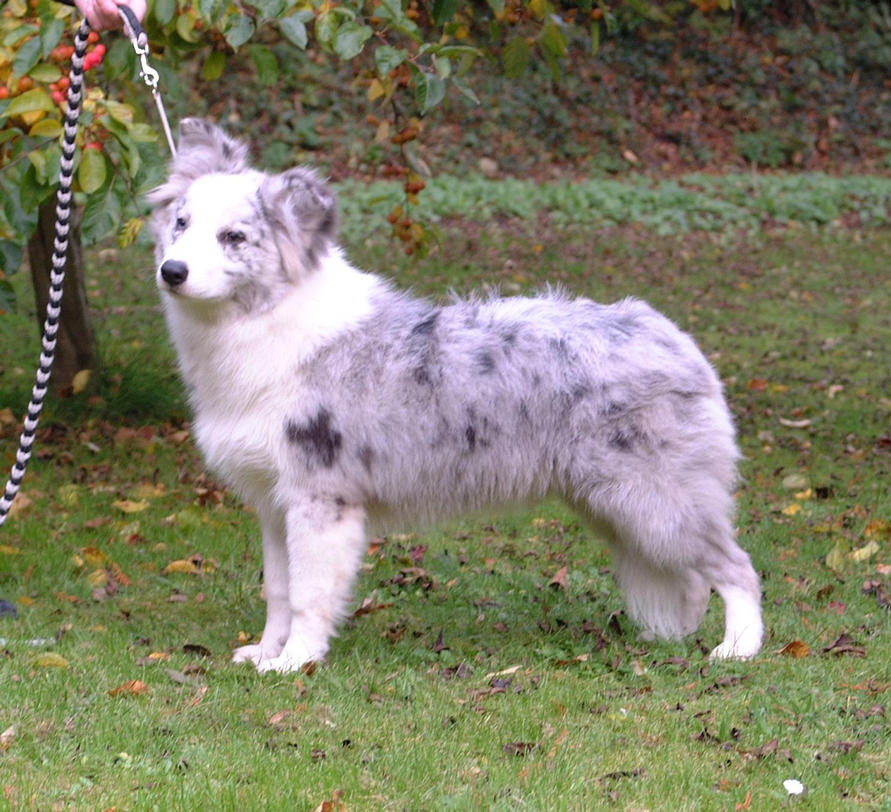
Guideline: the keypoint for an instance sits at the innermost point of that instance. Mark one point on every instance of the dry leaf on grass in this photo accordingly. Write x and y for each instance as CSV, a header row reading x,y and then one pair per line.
x,y
334,805
796,649
130,505
845,644
520,748
559,579
49,659
7,737
133,687
193,565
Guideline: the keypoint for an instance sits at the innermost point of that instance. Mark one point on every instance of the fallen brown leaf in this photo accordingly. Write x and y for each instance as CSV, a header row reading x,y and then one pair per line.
x,y
334,805
133,687
848,747
368,606
558,581
130,505
520,748
796,649
845,644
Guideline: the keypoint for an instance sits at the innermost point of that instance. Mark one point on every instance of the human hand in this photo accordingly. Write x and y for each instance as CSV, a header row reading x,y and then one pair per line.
x,y
103,14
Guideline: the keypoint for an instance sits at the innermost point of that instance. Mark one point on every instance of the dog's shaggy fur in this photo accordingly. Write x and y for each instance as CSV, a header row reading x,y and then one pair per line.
x,y
329,400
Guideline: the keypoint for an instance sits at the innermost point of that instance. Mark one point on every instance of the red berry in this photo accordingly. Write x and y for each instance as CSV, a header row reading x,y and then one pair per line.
x,y
4,92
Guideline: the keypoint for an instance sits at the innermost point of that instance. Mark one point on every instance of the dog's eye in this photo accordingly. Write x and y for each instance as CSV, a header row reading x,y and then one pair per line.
x,y
234,237
181,223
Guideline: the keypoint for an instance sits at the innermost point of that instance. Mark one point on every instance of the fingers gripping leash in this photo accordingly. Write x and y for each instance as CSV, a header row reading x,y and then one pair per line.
x,y
63,224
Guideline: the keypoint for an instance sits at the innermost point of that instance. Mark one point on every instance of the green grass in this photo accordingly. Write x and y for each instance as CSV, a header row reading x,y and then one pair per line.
x,y
471,683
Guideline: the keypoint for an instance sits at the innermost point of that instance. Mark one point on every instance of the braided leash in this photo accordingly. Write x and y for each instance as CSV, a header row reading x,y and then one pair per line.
x,y
57,275
63,224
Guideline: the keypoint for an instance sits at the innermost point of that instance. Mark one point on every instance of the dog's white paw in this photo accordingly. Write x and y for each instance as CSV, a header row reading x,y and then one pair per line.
x,y
743,647
248,654
293,658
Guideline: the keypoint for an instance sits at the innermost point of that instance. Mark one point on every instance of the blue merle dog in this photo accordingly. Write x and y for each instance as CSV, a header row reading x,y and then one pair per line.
x,y
331,402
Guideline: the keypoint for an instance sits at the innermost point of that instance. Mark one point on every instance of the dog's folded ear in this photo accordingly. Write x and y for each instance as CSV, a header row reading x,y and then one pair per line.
x,y
203,148
303,211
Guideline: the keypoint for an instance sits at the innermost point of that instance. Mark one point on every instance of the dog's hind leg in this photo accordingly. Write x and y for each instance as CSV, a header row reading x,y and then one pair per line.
x,y
666,603
737,583
672,544
325,542
275,585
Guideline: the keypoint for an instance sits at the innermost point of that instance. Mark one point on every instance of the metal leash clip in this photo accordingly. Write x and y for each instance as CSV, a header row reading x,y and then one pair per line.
x,y
139,40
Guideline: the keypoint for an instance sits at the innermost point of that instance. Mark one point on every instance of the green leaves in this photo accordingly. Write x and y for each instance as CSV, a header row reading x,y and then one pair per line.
x,y
30,102
387,58
444,10
266,64
338,31
553,44
240,31
515,58
350,39
92,171
213,66
27,57
294,27
429,90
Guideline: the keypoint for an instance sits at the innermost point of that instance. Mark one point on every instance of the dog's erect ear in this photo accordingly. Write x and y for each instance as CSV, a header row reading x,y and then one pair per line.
x,y
302,209
203,148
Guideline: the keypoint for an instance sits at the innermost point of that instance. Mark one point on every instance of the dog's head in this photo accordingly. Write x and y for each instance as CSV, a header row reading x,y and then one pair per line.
x,y
226,232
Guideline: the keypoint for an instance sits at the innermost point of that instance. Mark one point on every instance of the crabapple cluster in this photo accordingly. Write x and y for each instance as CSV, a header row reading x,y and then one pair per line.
x,y
61,54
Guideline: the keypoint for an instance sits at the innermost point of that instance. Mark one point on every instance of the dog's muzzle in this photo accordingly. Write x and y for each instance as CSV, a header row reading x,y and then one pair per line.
x,y
174,272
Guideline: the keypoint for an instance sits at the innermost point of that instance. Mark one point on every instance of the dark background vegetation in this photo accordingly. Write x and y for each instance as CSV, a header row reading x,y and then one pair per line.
x,y
674,87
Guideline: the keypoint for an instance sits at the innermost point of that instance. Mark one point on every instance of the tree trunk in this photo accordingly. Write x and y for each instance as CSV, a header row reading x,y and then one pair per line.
x,y
75,342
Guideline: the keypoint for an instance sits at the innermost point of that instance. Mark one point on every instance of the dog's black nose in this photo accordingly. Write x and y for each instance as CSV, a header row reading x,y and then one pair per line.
x,y
174,272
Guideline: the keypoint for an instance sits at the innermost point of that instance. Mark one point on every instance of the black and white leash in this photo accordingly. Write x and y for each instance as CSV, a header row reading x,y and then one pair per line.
x,y
139,40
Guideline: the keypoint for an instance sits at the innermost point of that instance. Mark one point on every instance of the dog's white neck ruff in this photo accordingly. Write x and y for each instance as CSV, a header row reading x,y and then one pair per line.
x,y
231,359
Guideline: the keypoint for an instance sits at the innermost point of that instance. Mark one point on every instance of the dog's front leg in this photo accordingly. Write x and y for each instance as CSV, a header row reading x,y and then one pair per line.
x,y
275,585
326,541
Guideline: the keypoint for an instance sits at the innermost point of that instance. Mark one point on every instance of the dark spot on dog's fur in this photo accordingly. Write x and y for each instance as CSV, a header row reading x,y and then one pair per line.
x,y
558,345
424,346
421,376
426,326
621,440
470,436
627,439
580,392
318,438
523,409
614,408
366,457
485,362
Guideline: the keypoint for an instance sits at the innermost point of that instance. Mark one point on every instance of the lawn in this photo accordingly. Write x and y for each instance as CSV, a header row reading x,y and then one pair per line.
x,y
488,664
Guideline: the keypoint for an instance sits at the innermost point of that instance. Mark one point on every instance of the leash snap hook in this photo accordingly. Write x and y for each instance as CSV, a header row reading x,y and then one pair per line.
x,y
146,72
139,40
